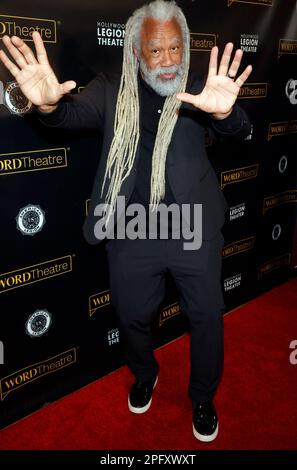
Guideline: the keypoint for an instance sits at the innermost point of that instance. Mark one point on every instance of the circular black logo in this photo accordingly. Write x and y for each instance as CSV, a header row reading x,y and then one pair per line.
x,y
282,164
30,219
15,100
276,232
38,323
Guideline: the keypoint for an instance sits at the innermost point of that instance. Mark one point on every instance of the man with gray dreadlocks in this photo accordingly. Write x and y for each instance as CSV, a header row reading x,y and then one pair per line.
x,y
153,153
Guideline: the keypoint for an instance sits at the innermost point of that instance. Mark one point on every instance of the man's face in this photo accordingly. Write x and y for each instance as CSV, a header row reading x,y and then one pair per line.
x,y
161,55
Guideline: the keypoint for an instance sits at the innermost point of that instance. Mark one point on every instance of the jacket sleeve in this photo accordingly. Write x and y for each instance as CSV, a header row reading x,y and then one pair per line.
x,y
236,125
83,110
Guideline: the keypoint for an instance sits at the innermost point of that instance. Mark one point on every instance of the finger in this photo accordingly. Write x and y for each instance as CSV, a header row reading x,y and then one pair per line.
x,y
24,49
213,62
9,64
66,87
40,49
18,57
188,98
244,76
233,69
224,64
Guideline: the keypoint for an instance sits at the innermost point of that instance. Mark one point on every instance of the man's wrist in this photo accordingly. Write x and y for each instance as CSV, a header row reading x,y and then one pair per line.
x,y
221,116
47,109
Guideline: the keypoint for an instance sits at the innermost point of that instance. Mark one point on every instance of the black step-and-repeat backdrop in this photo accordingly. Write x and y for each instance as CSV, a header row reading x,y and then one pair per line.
x,y
58,331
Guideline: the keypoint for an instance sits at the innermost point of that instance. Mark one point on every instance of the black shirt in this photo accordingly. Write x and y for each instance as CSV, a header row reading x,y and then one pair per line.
x,y
151,109
151,105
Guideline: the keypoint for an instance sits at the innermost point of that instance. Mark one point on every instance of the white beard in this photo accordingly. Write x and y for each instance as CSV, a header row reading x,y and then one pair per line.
x,y
165,87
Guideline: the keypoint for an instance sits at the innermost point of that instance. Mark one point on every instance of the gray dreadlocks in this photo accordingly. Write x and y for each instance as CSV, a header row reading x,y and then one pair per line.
x,y
126,126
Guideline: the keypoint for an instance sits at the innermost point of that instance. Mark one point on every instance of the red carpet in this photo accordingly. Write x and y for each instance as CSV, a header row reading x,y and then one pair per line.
x,y
256,401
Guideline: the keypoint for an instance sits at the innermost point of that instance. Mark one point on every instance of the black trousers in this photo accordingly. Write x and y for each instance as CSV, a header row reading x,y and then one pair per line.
x,y
137,270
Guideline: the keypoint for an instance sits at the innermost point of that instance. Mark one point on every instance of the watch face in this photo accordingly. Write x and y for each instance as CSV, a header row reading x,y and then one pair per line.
x,y
15,100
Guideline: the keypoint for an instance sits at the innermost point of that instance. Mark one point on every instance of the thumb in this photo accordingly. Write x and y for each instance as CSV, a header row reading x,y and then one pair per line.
x,y
188,98
66,87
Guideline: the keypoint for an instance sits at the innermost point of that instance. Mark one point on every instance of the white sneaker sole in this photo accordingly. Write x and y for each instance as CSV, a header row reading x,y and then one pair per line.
x,y
144,408
203,438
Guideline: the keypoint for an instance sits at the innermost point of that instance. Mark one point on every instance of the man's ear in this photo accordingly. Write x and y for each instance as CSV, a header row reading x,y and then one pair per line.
x,y
135,52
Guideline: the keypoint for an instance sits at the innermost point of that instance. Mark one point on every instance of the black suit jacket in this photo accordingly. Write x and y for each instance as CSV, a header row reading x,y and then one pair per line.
x,y
190,174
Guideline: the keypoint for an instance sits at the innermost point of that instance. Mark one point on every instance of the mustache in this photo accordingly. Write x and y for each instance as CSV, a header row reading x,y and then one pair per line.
x,y
164,70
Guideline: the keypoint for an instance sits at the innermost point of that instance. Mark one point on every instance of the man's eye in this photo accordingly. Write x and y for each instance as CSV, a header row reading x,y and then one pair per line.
x,y
155,51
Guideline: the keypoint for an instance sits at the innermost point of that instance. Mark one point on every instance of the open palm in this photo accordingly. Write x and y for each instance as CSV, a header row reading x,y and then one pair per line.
x,y
34,75
222,87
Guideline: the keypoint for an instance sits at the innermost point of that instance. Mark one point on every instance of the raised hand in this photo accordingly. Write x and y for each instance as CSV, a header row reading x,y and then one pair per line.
x,y
34,75
222,87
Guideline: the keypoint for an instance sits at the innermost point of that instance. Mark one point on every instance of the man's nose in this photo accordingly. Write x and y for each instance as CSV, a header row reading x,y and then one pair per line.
x,y
167,59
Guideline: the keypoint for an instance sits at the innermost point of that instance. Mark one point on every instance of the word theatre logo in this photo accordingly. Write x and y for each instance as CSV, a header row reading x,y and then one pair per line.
x,y
29,374
23,27
169,312
253,90
30,219
281,128
237,211
287,46
276,200
238,175
35,273
202,42
291,91
34,160
232,282
113,336
38,323
96,301
238,247
249,42
274,264
110,34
